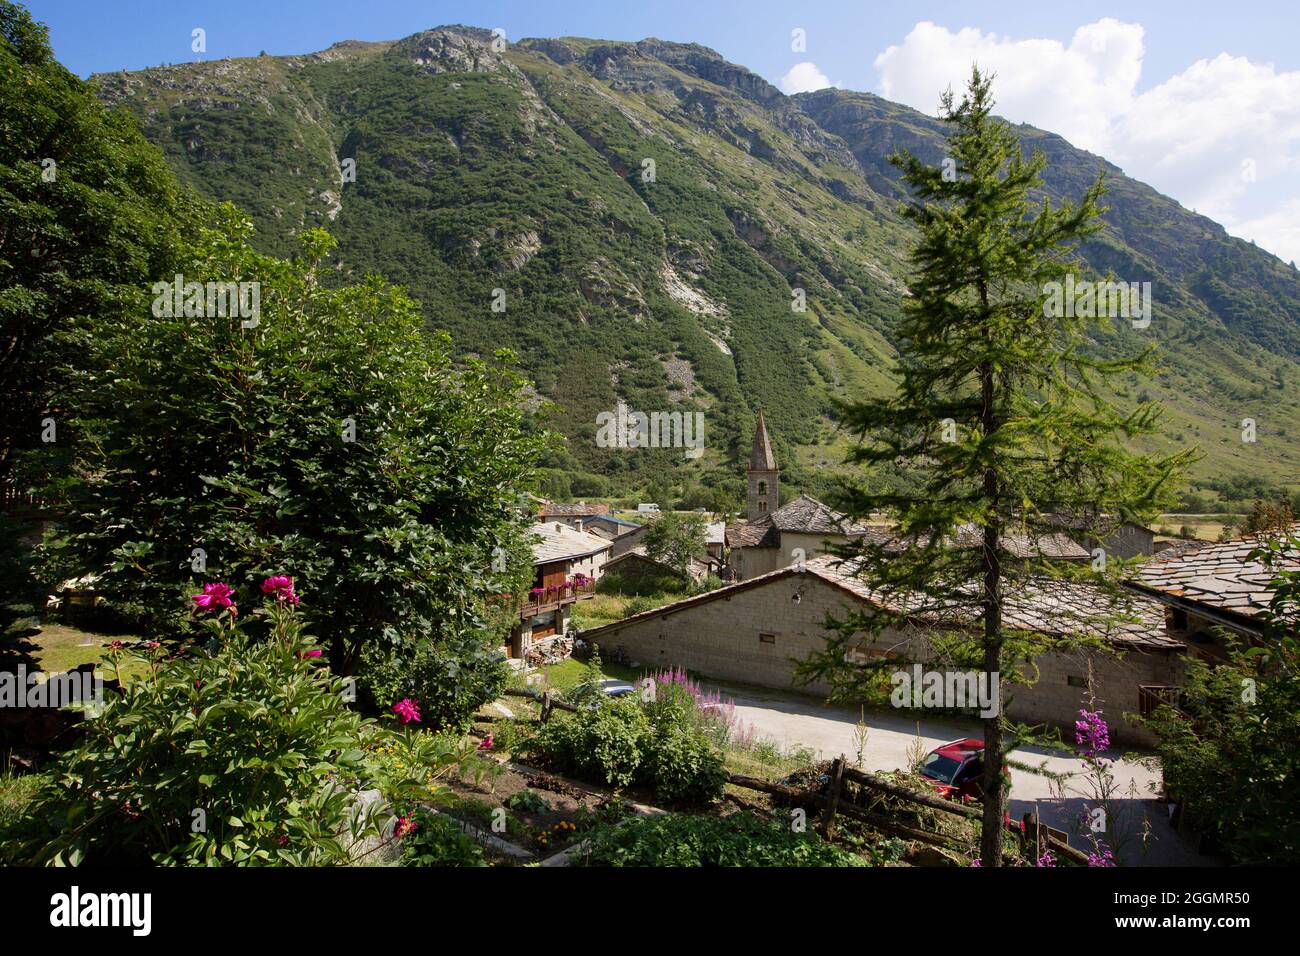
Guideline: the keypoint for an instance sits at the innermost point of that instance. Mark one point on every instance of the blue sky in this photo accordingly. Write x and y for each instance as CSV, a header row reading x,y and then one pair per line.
x,y
1202,100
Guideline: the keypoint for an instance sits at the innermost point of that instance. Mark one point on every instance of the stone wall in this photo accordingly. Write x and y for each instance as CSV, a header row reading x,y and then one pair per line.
x,y
727,638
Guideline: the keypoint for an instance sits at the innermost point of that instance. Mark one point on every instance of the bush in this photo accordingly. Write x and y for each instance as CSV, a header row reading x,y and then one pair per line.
x,y
243,752
663,746
436,840
450,681
741,839
603,744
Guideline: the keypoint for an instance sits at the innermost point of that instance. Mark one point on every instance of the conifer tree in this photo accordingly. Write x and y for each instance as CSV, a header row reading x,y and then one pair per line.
x,y
1001,418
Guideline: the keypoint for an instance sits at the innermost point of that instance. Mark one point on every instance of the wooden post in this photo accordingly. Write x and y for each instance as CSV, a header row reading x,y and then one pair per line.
x,y
833,799
546,707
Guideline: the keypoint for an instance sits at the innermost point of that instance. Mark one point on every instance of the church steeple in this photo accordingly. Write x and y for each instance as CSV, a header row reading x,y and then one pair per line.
x,y
762,474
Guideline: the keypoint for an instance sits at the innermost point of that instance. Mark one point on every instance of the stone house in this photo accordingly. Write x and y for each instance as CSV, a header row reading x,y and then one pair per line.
x,y
753,631
637,564
1119,538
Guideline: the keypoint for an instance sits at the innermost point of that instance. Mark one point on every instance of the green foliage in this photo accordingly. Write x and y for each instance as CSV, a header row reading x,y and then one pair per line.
x,y
602,744
437,841
675,537
1233,748
528,801
739,839
90,211
334,441
662,745
240,752
451,680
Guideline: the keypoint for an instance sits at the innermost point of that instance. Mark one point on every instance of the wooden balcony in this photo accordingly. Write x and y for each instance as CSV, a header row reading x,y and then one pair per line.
x,y
555,597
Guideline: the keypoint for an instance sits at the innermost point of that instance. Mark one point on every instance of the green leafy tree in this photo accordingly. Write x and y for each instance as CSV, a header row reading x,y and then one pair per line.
x,y
675,538
89,212
1000,416
330,439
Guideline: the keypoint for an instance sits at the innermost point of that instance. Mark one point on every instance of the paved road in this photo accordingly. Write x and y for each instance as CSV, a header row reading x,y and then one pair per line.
x,y
793,720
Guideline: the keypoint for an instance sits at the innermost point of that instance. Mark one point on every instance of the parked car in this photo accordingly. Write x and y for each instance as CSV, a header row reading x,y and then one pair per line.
x,y
956,769
590,694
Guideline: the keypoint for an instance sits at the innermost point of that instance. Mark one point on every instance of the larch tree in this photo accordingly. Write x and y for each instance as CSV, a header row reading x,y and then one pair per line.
x,y
1002,419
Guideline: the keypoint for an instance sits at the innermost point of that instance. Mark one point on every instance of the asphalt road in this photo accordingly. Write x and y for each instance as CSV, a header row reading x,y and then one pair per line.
x,y
794,720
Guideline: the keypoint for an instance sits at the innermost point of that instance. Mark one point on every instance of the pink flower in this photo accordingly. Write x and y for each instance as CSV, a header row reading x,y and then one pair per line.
x,y
405,827
214,598
486,744
281,586
407,710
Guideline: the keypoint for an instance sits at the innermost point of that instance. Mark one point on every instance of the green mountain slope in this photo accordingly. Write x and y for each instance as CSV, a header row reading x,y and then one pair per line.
x,y
523,175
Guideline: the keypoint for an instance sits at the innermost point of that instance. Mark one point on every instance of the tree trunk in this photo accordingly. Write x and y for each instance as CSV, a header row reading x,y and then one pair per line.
x,y
991,829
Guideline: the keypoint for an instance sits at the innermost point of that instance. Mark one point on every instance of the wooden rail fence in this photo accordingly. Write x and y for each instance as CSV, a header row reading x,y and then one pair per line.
x,y
1042,837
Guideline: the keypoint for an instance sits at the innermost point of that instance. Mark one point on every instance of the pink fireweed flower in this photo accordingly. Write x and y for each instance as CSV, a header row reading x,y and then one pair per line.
x,y
281,586
214,597
405,827
486,743
407,710
1091,733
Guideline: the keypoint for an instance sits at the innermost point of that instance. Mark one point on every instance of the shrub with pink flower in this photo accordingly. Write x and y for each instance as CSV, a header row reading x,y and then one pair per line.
x,y
281,586
215,596
405,827
407,711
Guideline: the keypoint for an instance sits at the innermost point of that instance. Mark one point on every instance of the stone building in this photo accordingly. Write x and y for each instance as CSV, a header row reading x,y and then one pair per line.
x,y
753,631
762,475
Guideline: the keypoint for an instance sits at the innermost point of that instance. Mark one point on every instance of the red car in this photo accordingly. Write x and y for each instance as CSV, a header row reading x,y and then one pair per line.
x,y
956,769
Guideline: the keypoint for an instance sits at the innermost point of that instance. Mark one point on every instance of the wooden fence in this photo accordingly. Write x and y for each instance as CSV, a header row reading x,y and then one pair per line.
x,y
1034,836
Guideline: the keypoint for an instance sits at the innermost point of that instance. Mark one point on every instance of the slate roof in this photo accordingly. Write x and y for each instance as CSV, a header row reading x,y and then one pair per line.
x,y
576,509
1029,544
1219,576
1099,525
1045,606
698,568
804,515
760,456
553,541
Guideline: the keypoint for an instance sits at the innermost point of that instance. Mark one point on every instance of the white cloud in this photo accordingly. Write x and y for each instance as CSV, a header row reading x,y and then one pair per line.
x,y
1222,137
805,78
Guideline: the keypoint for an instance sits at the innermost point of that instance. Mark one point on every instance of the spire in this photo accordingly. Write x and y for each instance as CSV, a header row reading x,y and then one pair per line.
x,y
761,458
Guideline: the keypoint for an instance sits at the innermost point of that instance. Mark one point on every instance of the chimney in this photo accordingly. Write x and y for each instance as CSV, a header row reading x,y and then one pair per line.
x,y
579,523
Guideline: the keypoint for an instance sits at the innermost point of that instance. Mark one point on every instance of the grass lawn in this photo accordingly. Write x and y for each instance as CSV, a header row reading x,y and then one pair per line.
x,y
58,648
1205,527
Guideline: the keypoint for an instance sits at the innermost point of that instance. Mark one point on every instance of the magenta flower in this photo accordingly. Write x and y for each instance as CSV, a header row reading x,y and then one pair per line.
x,y
407,710
314,652
405,827
281,586
214,597
1046,859
1104,858
1091,733
486,743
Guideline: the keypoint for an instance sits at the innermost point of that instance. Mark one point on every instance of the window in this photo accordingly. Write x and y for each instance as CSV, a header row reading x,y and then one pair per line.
x,y
762,506
762,487
1077,681
767,638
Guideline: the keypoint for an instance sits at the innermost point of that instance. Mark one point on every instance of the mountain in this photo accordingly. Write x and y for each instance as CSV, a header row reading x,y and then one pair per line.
x,y
651,211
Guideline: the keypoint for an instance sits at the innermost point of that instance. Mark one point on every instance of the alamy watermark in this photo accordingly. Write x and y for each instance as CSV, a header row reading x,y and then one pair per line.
x,y
23,689
209,299
1088,300
954,690
626,429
